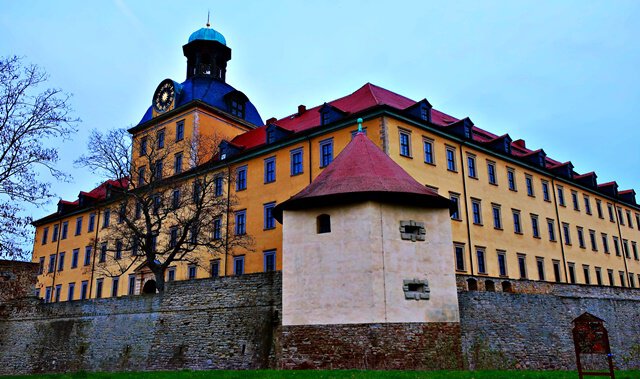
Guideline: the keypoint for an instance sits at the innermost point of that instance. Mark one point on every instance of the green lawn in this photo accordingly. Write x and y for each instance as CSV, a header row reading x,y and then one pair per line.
x,y
325,374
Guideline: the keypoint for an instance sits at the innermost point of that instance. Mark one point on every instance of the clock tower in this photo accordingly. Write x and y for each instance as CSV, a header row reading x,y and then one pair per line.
x,y
207,54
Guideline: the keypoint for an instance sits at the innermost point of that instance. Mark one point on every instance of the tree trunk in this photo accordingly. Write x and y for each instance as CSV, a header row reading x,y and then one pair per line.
x,y
159,275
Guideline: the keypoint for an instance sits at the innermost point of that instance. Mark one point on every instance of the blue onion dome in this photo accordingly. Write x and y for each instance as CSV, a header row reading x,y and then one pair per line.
x,y
207,34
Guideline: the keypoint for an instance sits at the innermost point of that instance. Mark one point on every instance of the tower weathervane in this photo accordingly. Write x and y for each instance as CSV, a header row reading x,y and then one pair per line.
x,y
208,13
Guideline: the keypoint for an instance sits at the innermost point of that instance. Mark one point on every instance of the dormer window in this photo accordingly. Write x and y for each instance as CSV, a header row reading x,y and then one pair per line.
x,y
325,118
271,136
237,108
507,146
424,113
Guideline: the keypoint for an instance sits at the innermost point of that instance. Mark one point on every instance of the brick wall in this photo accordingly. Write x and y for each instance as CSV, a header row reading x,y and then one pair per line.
x,y
199,324
17,279
530,327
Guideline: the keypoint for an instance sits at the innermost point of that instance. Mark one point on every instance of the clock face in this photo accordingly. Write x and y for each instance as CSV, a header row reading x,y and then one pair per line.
x,y
164,96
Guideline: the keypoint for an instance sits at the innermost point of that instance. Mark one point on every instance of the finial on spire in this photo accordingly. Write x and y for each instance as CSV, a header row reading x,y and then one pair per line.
x,y
359,121
208,14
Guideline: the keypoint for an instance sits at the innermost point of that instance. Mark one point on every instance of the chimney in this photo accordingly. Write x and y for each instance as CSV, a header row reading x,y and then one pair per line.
x,y
520,143
271,120
301,109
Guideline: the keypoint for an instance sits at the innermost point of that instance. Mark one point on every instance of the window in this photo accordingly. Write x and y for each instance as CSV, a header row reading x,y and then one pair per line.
x,y
587,204
84,287
61,261
158,169
192,271
427,146
175,199
592,239
625,248
475,207
458,250
143,146
561,196
629,220
54,237
87,256
215,268
326,152
241,178
132,284
65,229
405,145
471,165
455,198
580,237
522,266
620,217
567,235
610,275
177,163
103,253
534,226
517,227
269,221
634,246
45,235
47,296
622,281
58,291
545,191
502,263
556,271
451,158
497,218
114,286
41,266
638,221
107,217
173,236
92,222
72,289
482,267
52,263
572,273
217,228
160,139
138,213
585,270
157,204
269,260
78,225
529,182
599,208
296,162
99,288
238,265
632,282
551,227
217,186
491,171
610,209
198,195
118,253
616,245
605,243
270,170
323,224
598,276
237,108
574,199
540,267
511,179
241,223
180,130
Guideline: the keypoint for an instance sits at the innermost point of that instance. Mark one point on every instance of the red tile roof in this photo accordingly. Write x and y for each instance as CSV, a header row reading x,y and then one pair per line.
x,y
364,172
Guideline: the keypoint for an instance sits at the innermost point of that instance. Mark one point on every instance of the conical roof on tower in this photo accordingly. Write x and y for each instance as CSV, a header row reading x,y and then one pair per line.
x,y
362,172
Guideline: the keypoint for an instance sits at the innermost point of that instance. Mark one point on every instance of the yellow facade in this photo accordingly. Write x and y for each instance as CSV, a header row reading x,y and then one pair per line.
x,y
494,230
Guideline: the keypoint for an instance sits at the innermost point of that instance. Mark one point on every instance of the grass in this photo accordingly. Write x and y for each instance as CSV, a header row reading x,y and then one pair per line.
x,y
327,374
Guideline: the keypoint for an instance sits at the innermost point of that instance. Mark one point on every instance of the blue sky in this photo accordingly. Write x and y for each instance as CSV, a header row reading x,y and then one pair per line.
x,y
563,75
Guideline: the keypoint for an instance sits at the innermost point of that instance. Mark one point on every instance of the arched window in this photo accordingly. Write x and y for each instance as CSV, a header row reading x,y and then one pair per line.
x,y
149,287
506,286
490,286
323,223
472,284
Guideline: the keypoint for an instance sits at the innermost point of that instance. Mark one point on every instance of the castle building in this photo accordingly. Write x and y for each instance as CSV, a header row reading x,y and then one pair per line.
x,y
516,213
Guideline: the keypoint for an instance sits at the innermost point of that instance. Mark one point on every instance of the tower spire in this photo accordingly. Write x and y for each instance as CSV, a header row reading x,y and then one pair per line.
x,y
208,14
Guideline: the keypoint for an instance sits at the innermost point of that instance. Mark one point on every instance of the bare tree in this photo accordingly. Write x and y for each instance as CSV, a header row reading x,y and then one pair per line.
x,y
29,118
161,220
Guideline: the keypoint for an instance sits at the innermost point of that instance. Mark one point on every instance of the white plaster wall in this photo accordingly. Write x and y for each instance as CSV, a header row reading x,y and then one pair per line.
x,y
351,276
